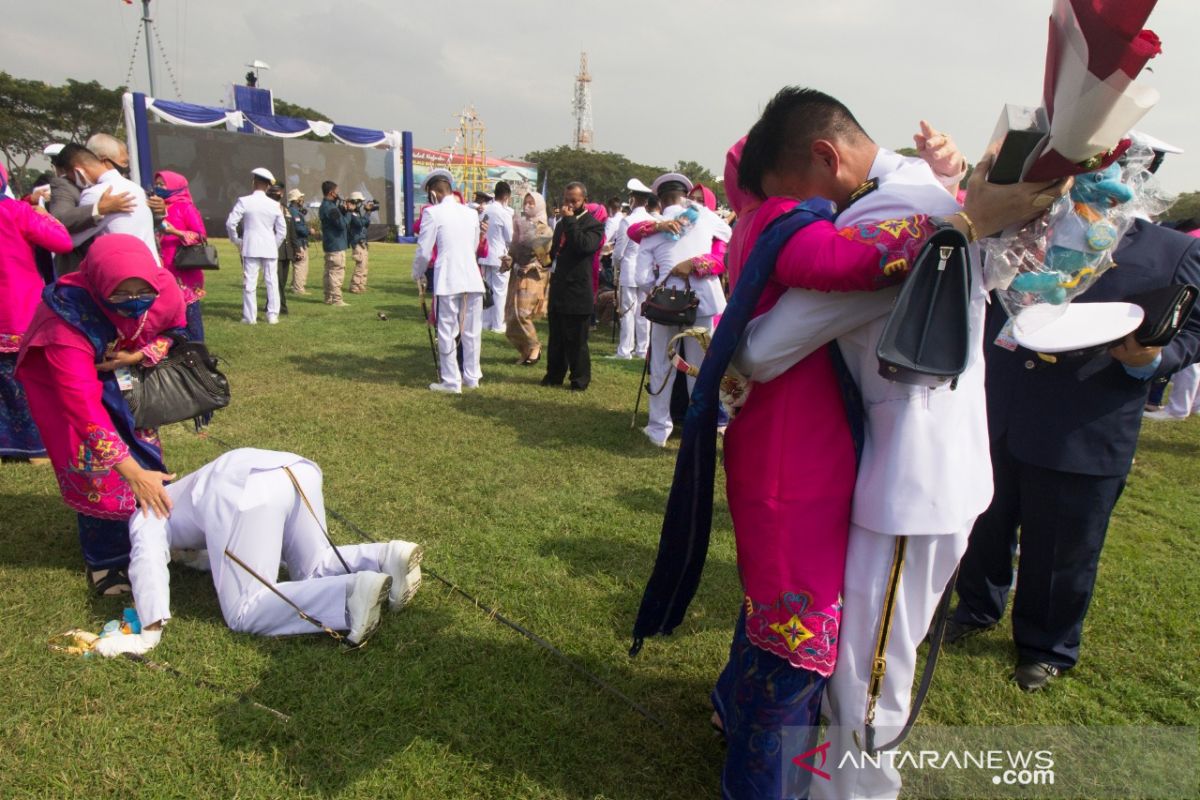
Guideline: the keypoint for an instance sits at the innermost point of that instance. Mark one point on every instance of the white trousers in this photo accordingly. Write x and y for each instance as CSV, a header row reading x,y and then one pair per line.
x,y
659,428
270,272
1185,392
635,329
279,529
929,563
459,315
493,318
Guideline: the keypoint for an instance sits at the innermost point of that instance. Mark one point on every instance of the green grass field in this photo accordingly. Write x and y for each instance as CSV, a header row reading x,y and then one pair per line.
x,y
539,502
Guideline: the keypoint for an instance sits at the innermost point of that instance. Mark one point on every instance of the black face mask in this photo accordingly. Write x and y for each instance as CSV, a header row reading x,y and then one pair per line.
x,y
122,169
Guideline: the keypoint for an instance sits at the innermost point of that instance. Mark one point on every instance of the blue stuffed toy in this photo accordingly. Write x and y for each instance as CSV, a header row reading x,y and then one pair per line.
x,y
1080,240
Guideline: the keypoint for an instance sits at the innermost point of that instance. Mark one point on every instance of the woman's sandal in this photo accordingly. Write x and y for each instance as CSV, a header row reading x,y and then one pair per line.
x,y
109,582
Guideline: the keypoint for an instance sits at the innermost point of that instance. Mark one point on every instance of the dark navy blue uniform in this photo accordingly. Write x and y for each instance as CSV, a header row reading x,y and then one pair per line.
x,y
1063,439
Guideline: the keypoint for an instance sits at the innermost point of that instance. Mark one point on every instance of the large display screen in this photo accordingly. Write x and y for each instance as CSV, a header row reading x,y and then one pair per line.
x,y
217,166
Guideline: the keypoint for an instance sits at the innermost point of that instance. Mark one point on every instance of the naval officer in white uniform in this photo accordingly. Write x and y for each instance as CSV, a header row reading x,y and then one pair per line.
x,y
452,228
635,329
925,471
499,217
263,507
666,259
263,230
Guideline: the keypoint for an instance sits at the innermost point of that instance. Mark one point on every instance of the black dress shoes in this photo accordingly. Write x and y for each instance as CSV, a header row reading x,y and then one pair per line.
x,y
958,632
1033,676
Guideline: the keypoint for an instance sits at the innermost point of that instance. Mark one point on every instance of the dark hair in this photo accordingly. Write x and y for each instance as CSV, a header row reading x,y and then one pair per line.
x,y
613,203
327,187
503,190
652,203
75,154
438,183
791,122
576,185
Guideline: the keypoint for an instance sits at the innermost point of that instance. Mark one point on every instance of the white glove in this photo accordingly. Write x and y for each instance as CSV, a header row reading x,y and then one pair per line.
x,y
137,643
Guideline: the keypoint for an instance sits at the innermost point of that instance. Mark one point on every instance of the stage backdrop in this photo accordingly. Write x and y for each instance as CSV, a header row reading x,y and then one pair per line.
x,y
217,165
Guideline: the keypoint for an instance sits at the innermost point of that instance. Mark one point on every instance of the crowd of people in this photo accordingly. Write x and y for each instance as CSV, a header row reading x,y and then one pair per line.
x,y
858,502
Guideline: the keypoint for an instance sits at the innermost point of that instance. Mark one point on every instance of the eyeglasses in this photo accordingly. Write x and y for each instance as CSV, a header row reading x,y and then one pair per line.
x,y
121,297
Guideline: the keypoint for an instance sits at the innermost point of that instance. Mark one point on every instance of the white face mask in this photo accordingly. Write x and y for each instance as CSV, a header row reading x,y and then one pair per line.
x,y
81,179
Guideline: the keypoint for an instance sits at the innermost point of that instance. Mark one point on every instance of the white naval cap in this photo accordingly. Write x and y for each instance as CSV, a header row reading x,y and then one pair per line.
x,y
51,150
437,173
635,185
264,173
671,177
1053,329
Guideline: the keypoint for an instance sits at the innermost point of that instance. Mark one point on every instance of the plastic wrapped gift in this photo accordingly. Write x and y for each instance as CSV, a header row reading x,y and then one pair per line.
x,y
1060,255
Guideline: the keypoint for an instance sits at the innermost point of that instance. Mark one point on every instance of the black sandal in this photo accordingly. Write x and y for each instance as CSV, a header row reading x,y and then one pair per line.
x,y
114,583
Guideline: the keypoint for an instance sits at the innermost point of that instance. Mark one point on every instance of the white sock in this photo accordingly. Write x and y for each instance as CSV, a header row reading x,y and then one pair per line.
x,y
137,643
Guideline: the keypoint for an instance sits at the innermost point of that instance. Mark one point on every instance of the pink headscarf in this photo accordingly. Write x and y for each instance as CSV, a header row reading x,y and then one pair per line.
x,y
176,183
601,213
745,205
710,199
114,258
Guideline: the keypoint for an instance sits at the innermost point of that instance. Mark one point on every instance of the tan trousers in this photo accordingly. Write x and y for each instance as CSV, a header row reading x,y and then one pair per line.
x,y
526,302
358,281
300,271
335,273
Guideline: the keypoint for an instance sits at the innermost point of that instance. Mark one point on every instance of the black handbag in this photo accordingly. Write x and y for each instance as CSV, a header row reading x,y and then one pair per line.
x,y
197,256
671,306
926,340
1167,309
184,385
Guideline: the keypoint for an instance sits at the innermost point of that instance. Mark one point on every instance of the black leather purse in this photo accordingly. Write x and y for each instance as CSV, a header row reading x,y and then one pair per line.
x,y
926,339
1167,310
197,256
671,306
184,385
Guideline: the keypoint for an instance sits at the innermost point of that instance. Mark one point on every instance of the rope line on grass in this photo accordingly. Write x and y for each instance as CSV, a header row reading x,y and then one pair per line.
x,y
495,615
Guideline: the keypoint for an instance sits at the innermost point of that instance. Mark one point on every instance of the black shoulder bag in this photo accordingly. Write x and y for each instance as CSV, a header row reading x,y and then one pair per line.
x,y
672,306
184,385
197,256
926,340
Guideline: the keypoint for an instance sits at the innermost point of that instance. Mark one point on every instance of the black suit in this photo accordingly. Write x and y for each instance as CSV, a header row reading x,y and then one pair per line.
x,y
64,207
576,240
1063,439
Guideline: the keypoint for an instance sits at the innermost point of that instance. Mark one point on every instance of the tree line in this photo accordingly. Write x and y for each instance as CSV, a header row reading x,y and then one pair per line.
x,y
34,113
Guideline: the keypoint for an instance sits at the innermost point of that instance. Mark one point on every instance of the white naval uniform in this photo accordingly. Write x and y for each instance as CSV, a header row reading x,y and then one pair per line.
x,y
245,502
499,236
137,222
1185,392
658,254
635,329
457,286
263,231
925,474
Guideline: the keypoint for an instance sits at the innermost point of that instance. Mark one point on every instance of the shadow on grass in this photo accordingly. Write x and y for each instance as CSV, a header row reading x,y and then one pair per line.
x,y
554,423
409,366
1170,447
431,696
715,605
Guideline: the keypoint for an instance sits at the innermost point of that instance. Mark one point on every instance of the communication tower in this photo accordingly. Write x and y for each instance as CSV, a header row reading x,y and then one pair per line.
x,y
583,106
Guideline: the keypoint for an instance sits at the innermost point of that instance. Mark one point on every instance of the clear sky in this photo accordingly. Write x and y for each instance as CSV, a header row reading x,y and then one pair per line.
x,y
671,81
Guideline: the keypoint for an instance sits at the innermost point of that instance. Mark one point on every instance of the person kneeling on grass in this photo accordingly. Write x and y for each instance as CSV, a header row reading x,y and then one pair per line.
x,y
251,509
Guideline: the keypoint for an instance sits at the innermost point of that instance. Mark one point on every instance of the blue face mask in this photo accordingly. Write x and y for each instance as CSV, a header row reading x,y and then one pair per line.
x,y
133,307
163,192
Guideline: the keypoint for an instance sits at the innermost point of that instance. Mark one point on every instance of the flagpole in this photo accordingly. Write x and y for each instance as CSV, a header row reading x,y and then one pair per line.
x,y
149,50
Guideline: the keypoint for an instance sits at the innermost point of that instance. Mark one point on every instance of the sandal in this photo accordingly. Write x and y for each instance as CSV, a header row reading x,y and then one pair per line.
x,y
109,582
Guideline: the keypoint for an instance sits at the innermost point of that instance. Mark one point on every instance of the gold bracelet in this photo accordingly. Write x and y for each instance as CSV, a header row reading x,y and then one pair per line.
x,y
972,234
